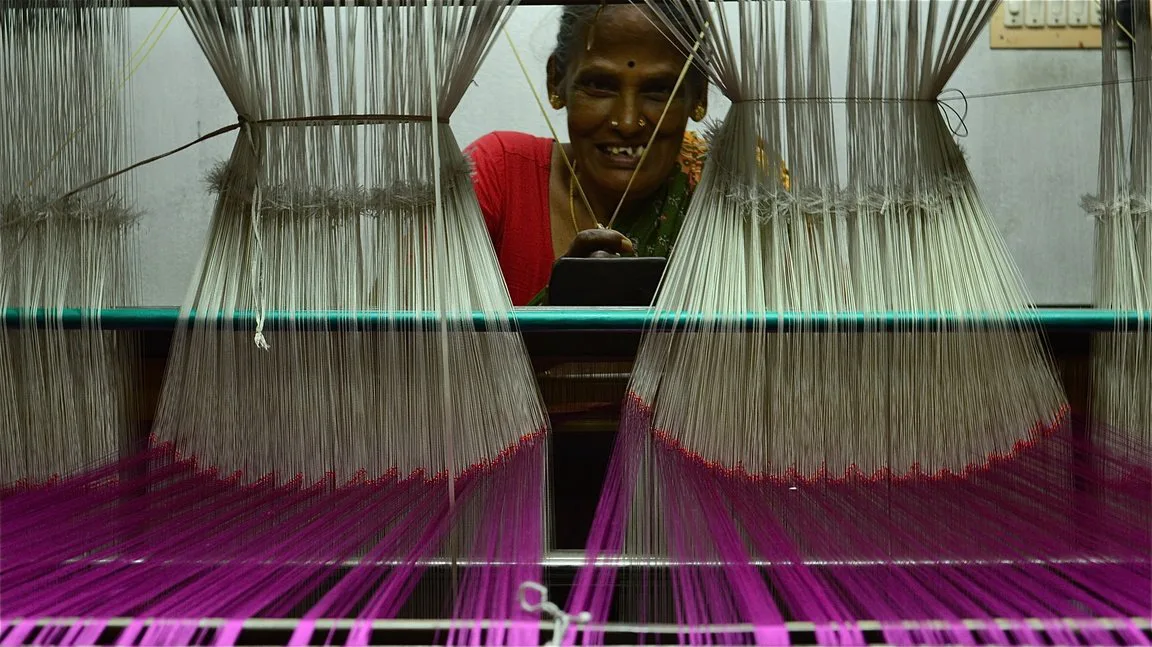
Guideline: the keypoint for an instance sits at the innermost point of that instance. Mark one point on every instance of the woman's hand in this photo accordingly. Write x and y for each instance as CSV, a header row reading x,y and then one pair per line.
x,y
599,243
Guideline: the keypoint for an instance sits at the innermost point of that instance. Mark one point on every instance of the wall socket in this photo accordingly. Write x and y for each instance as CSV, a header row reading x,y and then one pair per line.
x,y
1046,24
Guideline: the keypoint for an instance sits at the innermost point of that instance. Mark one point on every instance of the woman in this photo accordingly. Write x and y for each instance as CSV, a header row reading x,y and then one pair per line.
x,y
614,73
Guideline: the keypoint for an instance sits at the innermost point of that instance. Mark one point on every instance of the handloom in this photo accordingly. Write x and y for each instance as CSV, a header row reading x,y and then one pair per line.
x,y
948,457
348,411
65,403
554,331
277,458
1121,211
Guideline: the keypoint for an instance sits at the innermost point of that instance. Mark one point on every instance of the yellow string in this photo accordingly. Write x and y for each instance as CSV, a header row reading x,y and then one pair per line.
x,y
151,47
659,122
147,37
119,87
564,156
551,128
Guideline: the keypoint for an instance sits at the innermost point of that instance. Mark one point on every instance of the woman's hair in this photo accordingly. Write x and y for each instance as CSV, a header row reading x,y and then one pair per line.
x,y
575,20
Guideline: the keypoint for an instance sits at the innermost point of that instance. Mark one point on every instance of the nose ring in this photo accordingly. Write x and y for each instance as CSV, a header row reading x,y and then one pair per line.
x,y
639,122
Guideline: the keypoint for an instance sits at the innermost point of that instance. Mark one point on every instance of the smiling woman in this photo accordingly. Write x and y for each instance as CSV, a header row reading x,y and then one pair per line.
x,y
615,73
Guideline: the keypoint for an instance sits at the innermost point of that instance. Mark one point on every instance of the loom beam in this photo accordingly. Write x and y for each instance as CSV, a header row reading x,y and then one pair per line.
x,y
602,319
274,631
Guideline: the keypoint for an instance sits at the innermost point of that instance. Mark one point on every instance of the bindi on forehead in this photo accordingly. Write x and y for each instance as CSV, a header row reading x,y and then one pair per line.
x,y
641,66
613,49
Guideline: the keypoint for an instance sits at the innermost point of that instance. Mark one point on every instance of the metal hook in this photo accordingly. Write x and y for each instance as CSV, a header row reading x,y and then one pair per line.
x,y
561,620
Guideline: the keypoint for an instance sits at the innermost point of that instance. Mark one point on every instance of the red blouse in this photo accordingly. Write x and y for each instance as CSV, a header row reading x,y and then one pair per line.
x,y
510,175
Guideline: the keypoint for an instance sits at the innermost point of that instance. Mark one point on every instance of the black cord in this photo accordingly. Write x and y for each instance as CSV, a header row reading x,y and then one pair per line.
x,y
1125,18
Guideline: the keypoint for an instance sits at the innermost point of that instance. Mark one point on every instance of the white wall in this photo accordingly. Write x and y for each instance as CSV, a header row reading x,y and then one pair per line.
x,y
1033,155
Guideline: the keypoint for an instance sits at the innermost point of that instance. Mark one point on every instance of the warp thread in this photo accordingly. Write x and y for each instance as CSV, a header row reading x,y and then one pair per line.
x,y
111,210
246,123
315,202
243,122
960,129
766,204
1139,207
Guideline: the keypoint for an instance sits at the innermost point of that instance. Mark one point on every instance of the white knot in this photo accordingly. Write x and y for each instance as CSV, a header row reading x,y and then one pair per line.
x,y
561,620
261,342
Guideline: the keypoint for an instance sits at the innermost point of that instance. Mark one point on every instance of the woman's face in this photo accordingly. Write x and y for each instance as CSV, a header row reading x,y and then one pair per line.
x,y
615,92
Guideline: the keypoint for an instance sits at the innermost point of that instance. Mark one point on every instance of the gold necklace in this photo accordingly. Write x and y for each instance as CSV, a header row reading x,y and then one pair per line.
x,y
572,199
572,202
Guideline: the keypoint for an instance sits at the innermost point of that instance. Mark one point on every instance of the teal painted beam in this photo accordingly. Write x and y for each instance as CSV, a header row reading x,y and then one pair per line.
x,y
590,319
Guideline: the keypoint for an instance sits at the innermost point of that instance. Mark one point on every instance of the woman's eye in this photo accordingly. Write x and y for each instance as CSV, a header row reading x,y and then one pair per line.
x,y
658,93
598,88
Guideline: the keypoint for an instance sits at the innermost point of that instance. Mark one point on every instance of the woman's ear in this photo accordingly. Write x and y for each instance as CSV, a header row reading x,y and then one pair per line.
x,y
555,84
700,108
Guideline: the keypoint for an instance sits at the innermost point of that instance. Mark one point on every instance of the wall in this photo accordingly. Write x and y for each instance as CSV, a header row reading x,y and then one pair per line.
x,y
1032,155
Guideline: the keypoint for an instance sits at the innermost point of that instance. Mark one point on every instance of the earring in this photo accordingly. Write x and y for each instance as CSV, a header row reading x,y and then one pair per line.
x,y
641,122
699,113
554,99
615,124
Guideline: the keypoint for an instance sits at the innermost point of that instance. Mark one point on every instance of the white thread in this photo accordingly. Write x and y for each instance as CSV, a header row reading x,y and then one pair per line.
x,y
1133,206
65,404
257,292
438,209
257,249
349,230
292,200
561,620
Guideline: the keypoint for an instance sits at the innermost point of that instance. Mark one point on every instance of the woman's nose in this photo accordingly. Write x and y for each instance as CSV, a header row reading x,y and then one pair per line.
x,y
626,117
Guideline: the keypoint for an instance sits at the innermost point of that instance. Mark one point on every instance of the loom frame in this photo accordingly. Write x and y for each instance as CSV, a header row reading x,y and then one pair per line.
x,y
590,319
794,629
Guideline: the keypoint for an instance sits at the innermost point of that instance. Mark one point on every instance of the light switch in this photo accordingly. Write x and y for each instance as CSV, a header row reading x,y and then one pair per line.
x,y
1045,24
1034,13
1014,13
1078,12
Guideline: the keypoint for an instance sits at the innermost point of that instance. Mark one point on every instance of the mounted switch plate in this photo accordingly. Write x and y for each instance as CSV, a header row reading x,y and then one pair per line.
x,y
1035,13
1046,24
1013,13
1077,11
